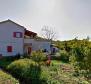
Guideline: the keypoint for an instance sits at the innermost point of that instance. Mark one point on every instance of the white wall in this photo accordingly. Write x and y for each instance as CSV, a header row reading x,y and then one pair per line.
x,y
42,45
7,39
38,44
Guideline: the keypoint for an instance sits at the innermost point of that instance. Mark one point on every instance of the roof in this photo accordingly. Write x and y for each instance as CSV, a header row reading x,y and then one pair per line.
x,y
12,22
26,31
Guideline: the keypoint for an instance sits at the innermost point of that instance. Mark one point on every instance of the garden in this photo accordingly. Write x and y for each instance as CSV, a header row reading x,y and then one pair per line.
x,y
70,65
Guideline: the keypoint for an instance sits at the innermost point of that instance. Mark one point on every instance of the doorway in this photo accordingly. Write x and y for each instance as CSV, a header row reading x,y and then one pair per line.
x,y
29,50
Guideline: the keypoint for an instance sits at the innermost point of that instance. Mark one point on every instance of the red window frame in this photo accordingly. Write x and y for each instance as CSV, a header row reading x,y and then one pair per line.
x,y
15,34
9,48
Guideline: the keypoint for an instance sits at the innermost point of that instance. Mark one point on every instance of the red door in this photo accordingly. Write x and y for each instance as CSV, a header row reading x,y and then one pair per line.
x,y
29,50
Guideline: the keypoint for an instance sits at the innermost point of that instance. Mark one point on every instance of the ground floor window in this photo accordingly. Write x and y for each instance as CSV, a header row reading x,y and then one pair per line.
x,y
9,48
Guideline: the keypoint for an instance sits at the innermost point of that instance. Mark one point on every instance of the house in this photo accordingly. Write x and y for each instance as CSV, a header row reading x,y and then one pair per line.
x,y
16,39
54,48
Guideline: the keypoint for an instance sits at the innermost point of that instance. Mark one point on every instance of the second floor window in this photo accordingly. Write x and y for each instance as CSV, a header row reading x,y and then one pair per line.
x,y
17,34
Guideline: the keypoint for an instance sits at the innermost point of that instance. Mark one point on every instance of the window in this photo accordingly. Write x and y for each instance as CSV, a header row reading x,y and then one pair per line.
x,y
9,48
17,34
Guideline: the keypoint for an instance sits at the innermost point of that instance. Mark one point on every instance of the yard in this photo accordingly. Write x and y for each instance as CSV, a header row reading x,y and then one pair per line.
x,y
35,70
57,73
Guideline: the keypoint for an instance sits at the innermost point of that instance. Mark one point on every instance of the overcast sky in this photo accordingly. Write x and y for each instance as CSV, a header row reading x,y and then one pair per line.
x,y
71,18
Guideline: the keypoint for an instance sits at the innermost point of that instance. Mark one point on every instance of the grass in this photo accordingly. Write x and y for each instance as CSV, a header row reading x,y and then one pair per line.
x,y
59,62
62,71
65,66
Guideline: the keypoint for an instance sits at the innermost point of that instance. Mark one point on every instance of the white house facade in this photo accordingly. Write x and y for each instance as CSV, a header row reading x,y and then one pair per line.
x,y
16,39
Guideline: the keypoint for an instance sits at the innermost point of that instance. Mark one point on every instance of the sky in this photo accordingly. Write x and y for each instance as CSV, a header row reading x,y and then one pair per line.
x,y
70,18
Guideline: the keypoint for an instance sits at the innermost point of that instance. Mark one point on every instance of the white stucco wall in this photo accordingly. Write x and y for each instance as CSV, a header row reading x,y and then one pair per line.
x,y
42,45
7,39
38,44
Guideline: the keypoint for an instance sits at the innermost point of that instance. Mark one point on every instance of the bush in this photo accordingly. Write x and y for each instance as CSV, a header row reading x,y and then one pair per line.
x,y
61,55
64,56
5,61
38,56
7,79
25,69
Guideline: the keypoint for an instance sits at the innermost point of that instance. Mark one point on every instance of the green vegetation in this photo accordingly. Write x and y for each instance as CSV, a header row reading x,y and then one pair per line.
x,y
5,61
60,73
70,65
7,79
25,69
77,53
38,56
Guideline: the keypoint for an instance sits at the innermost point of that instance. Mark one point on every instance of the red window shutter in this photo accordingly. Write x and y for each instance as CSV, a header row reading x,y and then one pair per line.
x,y
14,34
9,48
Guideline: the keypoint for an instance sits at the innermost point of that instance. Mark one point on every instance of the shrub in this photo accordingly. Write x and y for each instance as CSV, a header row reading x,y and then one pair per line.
x,y
38,56
64,56
5,61
49,74
7,79
25,69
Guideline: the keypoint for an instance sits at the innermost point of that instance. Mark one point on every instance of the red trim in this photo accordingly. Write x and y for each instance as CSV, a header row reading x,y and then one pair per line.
x,y
30,33
14,34
9,48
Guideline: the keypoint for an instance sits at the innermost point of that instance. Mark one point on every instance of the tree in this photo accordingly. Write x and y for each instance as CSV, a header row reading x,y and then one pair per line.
x,y
48,33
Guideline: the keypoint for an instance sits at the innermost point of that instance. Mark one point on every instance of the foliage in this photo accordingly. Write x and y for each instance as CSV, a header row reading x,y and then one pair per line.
x,y
7,79
24,69
78,52
56,74
59,44
81,58
5,61
64,55
38,56
28,72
